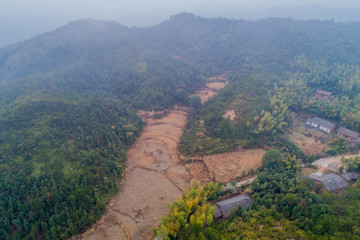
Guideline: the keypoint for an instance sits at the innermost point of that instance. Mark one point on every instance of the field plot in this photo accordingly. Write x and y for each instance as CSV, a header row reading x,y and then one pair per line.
x,y
228,166
213,85
199,172
154,177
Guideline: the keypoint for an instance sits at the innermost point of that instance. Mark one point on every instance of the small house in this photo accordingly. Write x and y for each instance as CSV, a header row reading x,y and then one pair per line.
x,y
331,181
325,95
223,208
351,136
321,124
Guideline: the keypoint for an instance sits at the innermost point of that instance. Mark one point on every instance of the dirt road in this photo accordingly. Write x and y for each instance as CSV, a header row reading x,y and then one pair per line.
x,y
330,163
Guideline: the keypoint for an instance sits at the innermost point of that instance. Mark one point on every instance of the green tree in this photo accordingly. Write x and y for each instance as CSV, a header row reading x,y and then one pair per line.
x,y
195,102
272,159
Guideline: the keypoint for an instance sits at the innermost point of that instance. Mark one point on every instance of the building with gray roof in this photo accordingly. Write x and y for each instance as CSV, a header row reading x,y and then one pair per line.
x,y
351,136
351,176
321,124
223,208
331,181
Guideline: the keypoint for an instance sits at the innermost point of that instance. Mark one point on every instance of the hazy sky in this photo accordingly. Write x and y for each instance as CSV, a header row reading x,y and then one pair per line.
x,y
21,19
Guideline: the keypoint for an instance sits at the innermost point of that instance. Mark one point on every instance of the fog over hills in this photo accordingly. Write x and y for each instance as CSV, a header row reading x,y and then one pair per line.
x,y
18,28
69,97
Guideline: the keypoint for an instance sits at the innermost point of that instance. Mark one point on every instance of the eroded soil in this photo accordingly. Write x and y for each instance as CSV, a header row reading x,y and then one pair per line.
x,y
155,175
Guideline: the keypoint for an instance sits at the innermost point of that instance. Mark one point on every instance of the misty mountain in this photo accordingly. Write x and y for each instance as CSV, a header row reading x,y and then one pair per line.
x,y
91,44
68,100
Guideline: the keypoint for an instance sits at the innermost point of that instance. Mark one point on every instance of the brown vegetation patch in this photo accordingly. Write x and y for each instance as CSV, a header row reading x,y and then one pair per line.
x,y
199,172
309,145
205,94
213,85
216,86
228,166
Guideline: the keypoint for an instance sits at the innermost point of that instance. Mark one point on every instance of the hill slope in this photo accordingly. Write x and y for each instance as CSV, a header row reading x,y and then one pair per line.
x,y
68,97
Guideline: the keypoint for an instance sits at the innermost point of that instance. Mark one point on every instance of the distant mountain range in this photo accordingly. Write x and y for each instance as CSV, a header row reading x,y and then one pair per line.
x,y
12,30
299,13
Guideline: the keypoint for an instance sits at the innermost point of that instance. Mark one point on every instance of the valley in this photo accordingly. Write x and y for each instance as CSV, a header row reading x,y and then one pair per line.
x,y
154,176
101,125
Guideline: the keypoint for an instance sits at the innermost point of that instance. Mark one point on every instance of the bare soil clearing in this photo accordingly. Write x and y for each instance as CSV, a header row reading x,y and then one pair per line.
x,y
155,175
213,85
228,166
230,114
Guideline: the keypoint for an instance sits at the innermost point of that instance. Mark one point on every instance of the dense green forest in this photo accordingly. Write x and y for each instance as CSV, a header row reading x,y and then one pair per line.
x,y
68,100
284,206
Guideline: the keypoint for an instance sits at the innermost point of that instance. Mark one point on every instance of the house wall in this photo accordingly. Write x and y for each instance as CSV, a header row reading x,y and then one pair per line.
x,y
314,124
324,129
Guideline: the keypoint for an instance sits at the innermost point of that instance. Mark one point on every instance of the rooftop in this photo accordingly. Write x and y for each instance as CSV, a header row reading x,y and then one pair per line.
x,y
321,122
223,208
332,182
350,176
325,93
348,132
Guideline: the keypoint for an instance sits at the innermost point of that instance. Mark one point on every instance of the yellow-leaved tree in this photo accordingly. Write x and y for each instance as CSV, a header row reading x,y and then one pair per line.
x,y
190,213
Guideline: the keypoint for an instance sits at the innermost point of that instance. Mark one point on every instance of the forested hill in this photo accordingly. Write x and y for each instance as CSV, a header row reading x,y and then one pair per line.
x,y
68,98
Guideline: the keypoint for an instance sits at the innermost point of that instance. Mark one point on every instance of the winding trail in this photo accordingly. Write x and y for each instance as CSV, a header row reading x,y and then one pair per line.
x,y
154,176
